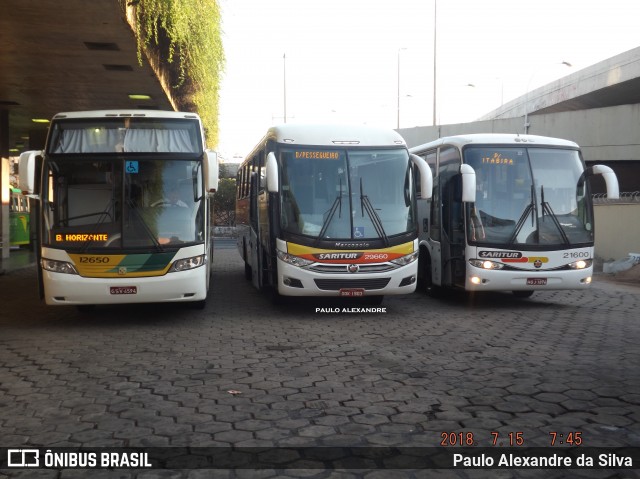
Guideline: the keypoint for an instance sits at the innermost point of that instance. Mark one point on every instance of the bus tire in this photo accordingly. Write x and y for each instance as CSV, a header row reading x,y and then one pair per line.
x,y
374,300
522,294
198,305
428,287
85,308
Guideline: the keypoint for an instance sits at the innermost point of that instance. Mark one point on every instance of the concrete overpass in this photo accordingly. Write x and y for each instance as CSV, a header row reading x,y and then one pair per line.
x,y
67,55
598,107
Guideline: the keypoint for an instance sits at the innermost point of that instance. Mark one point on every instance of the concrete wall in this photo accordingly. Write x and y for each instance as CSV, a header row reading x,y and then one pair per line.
x,y
604,134
617,228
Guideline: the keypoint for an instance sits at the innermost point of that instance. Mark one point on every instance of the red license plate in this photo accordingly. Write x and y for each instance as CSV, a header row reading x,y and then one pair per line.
x,y
536,281
123,290
352,292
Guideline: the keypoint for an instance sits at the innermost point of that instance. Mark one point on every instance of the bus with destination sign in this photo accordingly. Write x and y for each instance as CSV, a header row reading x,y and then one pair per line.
x,y
124,208
508,213
328,210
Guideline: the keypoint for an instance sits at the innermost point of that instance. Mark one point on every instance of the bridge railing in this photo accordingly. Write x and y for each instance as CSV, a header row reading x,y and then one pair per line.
x,y
628,197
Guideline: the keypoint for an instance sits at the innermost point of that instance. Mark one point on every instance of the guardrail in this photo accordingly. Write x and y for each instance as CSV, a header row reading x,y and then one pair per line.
x,y
629,197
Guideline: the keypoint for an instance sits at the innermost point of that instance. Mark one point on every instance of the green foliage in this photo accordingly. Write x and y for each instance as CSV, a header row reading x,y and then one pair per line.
x,y
224,202
190,32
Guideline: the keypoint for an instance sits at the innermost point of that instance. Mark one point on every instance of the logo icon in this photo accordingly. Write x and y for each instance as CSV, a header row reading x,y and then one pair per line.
x,y
537,263
353,268
122,270
23,458
131,167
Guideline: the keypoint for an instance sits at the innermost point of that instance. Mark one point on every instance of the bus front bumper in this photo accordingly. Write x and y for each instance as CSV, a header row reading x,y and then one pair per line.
x,y
68,289
486,280
296,281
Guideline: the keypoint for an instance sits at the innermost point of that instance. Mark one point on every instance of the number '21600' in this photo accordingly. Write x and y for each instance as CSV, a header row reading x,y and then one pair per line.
x,y
577,254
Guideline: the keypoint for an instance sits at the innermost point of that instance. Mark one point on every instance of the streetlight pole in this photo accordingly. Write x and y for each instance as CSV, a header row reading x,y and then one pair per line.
x,y
399,50
435,37
284,83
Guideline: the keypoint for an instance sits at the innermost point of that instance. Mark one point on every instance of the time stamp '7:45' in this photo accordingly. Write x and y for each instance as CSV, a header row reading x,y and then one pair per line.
x,y
510,439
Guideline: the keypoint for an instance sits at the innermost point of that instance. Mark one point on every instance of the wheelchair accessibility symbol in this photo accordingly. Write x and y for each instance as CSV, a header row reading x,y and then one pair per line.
x,y
131,166
358,231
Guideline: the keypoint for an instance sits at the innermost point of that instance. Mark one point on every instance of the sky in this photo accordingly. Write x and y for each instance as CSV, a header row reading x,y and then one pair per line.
x,y
372,61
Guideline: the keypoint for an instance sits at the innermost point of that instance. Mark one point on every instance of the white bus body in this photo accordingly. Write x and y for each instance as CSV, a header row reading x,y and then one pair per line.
x,y
108,230
329,211
508,213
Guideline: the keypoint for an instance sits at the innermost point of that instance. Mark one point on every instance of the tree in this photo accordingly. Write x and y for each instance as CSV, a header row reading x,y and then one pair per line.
x,y
224,202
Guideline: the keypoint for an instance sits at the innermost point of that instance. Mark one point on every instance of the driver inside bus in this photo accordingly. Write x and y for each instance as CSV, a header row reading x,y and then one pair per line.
x,y
172,198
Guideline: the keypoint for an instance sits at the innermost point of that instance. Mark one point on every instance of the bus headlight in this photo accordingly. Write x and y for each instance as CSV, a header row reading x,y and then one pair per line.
x,y
187,263
485,264
405,260
293,260
58,266
581,264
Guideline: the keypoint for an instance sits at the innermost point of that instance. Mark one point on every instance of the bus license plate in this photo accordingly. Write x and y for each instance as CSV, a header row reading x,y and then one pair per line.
x,y
351,292
536,281
124,290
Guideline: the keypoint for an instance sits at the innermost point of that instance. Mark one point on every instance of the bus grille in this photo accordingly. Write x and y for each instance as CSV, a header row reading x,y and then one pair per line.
x,y
342,268
337,284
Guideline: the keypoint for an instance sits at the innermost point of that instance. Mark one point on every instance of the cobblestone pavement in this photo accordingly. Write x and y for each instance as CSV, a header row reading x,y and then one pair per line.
x,y
247,373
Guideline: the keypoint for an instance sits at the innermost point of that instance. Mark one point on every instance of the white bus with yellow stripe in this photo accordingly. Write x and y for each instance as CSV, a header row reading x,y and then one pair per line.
x,y
125,208
508,213
330,210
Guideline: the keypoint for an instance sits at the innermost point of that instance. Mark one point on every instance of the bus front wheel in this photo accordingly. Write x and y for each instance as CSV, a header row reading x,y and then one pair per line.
x,y
522,294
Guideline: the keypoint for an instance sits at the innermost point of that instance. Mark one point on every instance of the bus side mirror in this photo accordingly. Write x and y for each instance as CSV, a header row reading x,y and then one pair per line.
x,y
212,170
468,183
610,178
426,177
272,173
27,171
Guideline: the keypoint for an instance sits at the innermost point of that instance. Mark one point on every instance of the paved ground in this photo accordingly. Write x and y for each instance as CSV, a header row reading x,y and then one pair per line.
x,y
247,373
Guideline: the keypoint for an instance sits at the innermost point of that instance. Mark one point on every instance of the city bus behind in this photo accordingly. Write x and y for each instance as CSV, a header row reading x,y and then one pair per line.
x,y
19,218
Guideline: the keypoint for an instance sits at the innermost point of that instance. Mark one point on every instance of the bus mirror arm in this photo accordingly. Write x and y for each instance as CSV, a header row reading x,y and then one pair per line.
x,y
426,177
468,183
272,173
610,178
212,170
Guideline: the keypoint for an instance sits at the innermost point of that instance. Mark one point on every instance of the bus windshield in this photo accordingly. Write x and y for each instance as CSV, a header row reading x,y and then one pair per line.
x,y
347,193
117,203
528,196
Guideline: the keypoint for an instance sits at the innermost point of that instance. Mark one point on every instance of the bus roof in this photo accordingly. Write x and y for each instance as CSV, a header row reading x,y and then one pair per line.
x,y
335,135
125,113
495,138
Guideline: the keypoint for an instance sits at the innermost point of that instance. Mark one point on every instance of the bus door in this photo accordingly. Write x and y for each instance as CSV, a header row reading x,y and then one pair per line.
x,y
255,247
452,220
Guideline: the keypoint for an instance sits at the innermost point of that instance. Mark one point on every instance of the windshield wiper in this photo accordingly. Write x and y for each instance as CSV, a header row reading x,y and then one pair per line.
x,y
523,217
96,227
337,203
134,208
365,205
547,207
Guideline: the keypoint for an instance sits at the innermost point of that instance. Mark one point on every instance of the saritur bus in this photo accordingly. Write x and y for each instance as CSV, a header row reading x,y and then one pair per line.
x,y
109,230
508,213
327,210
